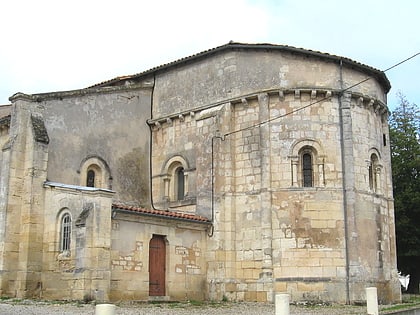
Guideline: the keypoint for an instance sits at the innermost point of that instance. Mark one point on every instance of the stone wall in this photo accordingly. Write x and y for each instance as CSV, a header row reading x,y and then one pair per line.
x,y
24,160
108,126
230,131
82,272
185,260
250,124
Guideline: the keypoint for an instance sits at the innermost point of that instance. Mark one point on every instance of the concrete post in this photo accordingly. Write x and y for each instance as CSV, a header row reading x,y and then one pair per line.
x,y
372,301
105,309
282,304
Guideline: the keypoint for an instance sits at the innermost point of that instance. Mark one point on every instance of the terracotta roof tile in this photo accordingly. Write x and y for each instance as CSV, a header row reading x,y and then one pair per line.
x,y
162,213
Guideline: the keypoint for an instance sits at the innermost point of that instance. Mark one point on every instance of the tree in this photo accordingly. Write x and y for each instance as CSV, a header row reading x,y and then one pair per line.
x,y
405,158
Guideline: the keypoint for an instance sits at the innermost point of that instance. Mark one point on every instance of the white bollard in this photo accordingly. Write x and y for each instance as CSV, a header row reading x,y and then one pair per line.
x,y
372,301
282,304
105,309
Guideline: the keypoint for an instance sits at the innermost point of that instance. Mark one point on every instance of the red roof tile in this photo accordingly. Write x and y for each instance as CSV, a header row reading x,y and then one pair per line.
x,y
162,213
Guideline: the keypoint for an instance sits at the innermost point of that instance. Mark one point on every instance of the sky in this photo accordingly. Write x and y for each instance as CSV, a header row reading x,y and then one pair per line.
x,y
52,45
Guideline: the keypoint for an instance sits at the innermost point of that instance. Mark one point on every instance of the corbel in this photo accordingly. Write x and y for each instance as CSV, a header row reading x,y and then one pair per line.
x,y
281,95
328,94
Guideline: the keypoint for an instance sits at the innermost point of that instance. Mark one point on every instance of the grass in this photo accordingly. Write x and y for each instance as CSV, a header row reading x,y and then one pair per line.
x,y
195,303
408,301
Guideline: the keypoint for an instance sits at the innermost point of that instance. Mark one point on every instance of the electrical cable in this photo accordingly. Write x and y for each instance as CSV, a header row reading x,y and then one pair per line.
x,y
318,101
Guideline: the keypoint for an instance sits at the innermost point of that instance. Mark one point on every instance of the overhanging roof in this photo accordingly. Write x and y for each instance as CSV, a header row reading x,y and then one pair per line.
x,y
163,214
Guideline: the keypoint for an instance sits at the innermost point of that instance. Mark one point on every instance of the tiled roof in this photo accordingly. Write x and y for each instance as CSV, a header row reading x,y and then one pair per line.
x,y
162,213
380,75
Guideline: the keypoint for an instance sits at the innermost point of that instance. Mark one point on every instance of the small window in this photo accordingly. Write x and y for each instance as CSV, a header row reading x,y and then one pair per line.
x,y
90,178
175,178
65,233
307,170
95,172
180,181
307,164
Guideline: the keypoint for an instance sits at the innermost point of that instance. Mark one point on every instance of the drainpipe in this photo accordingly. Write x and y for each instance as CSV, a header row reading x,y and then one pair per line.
x,y
150,145
343,164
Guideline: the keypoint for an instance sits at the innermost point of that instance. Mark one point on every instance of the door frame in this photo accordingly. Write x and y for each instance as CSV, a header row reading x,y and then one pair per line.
x,y
162,267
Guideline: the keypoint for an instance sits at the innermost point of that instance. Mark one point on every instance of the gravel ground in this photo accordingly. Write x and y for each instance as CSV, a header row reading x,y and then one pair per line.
x,y
45,308
32,307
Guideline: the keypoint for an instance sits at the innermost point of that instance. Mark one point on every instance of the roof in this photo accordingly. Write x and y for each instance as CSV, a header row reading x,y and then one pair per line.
x,y
76,187
378,74
164,214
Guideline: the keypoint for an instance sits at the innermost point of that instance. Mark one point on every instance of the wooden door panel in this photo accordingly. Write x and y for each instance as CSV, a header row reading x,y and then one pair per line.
x,y
157,266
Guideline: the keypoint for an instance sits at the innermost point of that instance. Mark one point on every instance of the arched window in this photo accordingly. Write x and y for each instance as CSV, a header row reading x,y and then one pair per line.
x,y
94,172
307,164
90,178
179,183
175,181
65,232
307,170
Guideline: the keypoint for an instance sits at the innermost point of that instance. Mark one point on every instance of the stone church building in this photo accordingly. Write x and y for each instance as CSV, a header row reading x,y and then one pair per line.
x,y
236,173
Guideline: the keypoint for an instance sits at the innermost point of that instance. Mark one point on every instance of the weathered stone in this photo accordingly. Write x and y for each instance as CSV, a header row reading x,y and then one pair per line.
x,y
261,141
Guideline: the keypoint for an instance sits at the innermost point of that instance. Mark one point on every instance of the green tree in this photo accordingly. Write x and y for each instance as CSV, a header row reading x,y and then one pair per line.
x,y
405,157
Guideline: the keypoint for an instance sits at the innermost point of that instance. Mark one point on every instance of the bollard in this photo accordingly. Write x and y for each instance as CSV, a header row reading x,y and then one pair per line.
x,y
105,309
282,304
372,301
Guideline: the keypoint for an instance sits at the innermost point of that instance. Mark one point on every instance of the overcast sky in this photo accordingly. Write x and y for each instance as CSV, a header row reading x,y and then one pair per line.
x,y
52,45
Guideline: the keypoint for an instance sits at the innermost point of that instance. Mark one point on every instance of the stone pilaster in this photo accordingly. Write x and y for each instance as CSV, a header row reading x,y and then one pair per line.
x,y
28,171
266,212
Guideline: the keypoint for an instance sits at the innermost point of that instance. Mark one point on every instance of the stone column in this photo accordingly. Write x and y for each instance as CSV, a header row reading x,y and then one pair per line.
x,y
295,162
186,186
321,178
166,190
348,183
266,214
378,179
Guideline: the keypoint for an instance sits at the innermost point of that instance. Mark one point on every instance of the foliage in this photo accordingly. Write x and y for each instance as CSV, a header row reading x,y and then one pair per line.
x,y
405,157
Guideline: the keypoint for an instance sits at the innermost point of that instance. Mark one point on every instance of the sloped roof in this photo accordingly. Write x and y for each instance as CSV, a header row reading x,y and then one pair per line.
x,y
378,74
162,213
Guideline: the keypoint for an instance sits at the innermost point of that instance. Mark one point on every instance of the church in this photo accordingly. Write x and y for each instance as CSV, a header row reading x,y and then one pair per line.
x,y
236,173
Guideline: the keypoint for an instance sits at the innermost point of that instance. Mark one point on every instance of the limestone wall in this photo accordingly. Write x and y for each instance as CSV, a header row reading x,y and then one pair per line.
x,y
24,161
250,115
82,272
235,73
109,126
185,258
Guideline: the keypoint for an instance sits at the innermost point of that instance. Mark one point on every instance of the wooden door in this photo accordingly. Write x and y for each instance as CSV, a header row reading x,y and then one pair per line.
x,y
157,266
